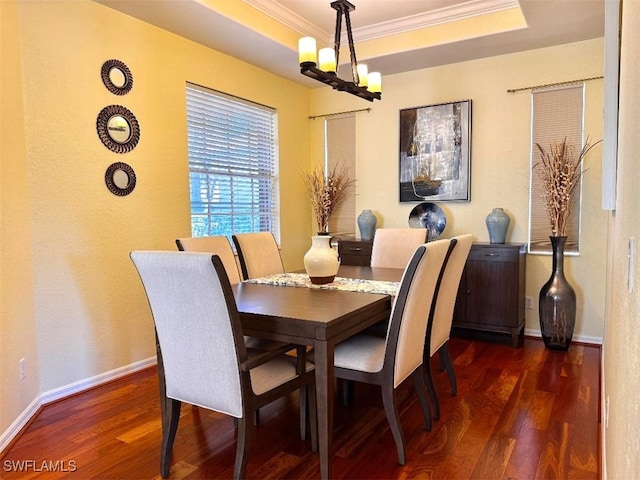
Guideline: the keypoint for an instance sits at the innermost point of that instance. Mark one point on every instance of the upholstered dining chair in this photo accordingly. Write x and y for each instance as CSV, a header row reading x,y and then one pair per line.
x,y
394,247
216,245
258,253
441,316
389,361
220,245
201,351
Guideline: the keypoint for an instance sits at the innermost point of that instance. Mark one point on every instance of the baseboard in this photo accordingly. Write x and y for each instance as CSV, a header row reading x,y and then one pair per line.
x,y
576,338
43,399
16,427
82,385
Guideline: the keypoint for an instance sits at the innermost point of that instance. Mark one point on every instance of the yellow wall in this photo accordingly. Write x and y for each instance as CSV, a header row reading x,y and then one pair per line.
x,y
72,304
621,361
83,312
17,320
499,156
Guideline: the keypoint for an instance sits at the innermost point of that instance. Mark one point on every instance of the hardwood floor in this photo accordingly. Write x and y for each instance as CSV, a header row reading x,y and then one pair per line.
x,y
519,414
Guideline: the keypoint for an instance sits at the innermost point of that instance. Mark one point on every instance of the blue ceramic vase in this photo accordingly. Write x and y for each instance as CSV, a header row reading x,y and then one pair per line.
x,y
497,224
367,224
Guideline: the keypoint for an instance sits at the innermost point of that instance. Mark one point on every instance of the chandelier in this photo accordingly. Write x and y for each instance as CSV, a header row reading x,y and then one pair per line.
x,y
323,65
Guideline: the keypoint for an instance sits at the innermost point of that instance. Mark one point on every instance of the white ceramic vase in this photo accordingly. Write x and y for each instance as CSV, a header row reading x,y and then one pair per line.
x,y
321,261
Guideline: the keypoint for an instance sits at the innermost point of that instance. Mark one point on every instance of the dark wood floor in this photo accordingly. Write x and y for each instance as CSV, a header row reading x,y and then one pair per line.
x,y
519,414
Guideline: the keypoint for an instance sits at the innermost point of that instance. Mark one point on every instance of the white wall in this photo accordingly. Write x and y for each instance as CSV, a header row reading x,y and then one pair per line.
x,y
621,360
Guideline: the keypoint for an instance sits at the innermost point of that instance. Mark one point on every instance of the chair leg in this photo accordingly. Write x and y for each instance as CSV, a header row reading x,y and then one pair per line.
x,y
431,388
391,410
243,446
303,413
418,383
169,429
445,359
313,416
347,392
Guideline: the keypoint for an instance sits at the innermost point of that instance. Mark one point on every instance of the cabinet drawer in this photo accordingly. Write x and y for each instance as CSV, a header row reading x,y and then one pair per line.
x,y
494,253
355,248
355,252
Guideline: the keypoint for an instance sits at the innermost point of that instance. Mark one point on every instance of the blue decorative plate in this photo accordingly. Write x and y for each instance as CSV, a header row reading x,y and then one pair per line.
x,y
430,216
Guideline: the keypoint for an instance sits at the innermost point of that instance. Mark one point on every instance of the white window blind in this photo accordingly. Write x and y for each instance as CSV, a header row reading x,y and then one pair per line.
x,y
557,114
233,165
340,136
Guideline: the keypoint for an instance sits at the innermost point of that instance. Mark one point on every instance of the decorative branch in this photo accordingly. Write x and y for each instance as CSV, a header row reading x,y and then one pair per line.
x,y
327,192
559,171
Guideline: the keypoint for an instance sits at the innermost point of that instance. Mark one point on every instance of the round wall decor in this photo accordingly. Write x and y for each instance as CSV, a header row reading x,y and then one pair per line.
x,y
117,77
118,128
120,179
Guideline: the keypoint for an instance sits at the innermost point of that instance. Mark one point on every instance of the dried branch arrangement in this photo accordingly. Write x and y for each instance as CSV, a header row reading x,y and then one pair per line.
x,y
559,171
326,192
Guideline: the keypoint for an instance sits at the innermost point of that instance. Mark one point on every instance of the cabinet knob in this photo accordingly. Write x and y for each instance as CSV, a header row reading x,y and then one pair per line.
x,y
356,249
491,254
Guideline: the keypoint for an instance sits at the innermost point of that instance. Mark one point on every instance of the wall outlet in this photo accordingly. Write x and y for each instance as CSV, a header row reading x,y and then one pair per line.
x,y
22,368
528,302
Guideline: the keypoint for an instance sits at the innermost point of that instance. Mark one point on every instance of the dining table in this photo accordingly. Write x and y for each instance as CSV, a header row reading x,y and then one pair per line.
x,y
319,316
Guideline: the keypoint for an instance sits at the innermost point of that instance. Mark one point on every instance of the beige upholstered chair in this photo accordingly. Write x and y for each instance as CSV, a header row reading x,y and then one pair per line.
x,y
389,361
441,316
216,245
258,253
394,247
219,245
201,352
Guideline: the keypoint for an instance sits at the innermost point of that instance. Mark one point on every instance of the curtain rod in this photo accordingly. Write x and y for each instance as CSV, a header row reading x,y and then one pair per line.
x,y
512,90
313,117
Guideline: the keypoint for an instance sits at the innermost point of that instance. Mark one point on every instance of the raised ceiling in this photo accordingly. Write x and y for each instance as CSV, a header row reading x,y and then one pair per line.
x,y
391,36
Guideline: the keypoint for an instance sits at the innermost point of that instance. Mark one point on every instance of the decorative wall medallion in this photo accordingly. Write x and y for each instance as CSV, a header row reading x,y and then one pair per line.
x,y
118,128
117,77
120,179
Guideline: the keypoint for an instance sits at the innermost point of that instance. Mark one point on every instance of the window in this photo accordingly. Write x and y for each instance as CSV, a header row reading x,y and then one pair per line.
x,y
340,138
557,113
233,166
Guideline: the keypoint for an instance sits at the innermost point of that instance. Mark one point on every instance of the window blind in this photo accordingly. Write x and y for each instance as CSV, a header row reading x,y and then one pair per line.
x,y
340,137
233,164
557,114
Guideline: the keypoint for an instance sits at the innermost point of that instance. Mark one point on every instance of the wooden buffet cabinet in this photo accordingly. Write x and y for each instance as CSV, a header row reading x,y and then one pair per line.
x,y
491,295
355,252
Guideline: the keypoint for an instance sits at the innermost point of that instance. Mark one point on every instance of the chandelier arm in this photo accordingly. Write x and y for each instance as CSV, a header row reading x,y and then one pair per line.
x,y
352,49
336,36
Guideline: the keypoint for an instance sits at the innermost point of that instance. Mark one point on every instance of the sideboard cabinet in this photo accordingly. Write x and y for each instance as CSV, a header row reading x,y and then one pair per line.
x,y
355,252
491,294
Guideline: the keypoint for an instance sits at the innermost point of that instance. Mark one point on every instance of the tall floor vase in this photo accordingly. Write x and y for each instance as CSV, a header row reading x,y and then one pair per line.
x,y
557,303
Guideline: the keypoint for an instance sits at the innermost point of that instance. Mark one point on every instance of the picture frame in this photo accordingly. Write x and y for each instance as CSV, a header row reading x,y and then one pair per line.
x,y
435,152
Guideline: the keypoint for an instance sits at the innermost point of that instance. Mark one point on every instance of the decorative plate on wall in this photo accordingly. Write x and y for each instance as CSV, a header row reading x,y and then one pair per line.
x,y
120,179
430,216
118,128
117,77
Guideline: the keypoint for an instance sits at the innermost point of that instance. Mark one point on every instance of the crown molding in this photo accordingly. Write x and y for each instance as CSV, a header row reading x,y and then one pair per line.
x,y
474,8
290,19
470,9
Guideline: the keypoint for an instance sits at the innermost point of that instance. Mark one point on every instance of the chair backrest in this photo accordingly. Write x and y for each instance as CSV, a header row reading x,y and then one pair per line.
x,y
410,312
198,327
258,253
215,245
442,316
394,247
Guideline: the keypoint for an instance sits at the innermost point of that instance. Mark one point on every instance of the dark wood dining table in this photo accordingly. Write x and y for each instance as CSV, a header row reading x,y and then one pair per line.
x,y
319,318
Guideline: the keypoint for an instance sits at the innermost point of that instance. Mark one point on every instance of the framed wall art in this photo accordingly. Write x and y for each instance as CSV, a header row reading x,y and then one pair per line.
x,y
435,152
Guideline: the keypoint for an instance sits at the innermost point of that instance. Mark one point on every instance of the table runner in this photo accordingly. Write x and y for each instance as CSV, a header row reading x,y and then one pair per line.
x,y
339,283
